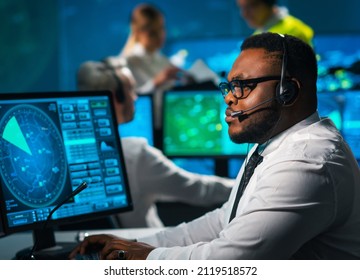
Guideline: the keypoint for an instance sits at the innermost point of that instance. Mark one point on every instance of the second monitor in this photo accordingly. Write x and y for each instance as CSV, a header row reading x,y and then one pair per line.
x,y
194,125
142,125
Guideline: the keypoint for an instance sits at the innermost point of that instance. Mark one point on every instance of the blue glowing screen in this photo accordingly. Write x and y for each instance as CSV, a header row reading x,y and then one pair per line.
x,y
142,124
49,145
351,121
205,166
234,166
331,105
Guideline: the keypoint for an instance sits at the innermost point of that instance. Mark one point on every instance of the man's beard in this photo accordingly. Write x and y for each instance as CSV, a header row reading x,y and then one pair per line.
x,y
260,130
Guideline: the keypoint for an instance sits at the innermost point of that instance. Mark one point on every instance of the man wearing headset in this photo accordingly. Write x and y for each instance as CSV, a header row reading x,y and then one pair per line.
x,y
152,176
302,200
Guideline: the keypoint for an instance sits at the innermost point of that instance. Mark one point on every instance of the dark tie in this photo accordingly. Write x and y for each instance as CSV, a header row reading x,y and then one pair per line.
x,y
254,161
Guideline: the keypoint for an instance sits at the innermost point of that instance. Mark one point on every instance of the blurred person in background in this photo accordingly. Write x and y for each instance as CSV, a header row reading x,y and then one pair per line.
x,y
266,16
153,71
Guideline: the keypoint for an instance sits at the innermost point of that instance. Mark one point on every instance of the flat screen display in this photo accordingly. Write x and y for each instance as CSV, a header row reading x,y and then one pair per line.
x,y
204,166
330,105
351,121
194,125
142,125
49,144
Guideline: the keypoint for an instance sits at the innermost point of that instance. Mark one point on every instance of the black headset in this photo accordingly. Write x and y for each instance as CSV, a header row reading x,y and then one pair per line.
x,y
286,90
119,92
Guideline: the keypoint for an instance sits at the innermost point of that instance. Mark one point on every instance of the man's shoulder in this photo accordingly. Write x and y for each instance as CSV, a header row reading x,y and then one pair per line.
x,y
319,140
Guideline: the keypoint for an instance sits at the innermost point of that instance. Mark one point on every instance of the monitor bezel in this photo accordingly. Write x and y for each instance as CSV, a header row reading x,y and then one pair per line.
x,y
2,231
78,218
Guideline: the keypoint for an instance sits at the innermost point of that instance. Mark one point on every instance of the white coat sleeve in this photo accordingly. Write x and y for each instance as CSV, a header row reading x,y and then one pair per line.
x,y
168,182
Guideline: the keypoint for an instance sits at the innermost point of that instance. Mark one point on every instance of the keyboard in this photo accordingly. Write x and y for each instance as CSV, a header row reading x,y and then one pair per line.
x,y
90,256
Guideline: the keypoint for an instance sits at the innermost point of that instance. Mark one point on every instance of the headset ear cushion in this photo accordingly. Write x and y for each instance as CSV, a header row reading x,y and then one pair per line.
x,y
289,92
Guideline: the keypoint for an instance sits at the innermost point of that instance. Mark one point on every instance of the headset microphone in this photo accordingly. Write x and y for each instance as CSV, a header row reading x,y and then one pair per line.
x,y
241,112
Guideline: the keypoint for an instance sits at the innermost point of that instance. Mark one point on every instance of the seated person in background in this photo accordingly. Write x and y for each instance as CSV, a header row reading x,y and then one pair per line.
x,y
152,70
152,176
302,200
265,16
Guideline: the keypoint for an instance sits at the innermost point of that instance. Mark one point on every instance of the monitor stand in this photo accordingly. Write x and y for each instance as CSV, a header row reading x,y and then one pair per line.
x,y
221,167
46,248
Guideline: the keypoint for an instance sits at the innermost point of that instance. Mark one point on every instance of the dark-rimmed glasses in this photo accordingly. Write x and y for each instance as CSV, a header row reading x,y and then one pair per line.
x,y
242,88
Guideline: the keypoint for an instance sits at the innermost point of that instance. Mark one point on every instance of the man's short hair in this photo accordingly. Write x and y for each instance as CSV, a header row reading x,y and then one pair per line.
x,y
301,58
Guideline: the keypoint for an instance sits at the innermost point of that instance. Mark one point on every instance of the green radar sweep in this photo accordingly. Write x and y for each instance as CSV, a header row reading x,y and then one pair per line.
x,y
13,134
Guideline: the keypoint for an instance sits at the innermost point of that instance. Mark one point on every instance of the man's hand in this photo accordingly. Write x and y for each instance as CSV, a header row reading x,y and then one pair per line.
x,y
110,247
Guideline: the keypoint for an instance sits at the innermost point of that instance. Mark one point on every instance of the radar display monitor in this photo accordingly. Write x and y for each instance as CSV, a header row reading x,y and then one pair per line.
x,y
50,143
194,125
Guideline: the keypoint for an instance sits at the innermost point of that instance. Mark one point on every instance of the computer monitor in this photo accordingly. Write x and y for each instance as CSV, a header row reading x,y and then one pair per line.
x,y
234,166
142,125
204,166
49,144
194,125
330,104
351,120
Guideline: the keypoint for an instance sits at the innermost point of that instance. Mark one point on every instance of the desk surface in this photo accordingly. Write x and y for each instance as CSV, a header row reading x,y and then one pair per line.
x,y
11,244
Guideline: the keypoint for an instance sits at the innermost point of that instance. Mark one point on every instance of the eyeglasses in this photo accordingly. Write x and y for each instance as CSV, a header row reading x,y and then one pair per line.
x,y
242,88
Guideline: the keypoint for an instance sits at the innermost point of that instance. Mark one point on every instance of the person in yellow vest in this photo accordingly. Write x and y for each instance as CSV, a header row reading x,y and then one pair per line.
x,y
266,16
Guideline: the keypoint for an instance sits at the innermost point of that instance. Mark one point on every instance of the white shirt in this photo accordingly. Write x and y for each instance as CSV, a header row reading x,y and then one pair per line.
x,y
144,67
303,201
153,177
